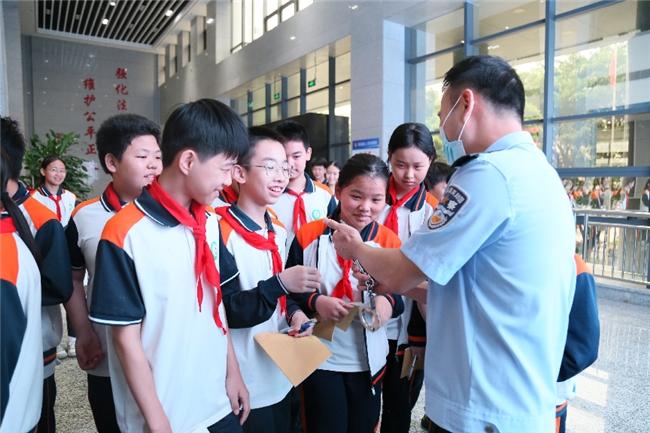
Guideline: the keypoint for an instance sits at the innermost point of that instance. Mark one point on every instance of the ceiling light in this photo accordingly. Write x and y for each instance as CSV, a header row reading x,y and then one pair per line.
x,y
169,13
507,27
353,7
112,3
105,21
45,78
209,21
292,37
91,55
493,47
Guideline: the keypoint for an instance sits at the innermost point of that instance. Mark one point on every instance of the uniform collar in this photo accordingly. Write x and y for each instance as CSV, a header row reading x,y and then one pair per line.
x,y
107,206
154,210
309,185
21,194
46,192
368,233
248,222
414,203
511,140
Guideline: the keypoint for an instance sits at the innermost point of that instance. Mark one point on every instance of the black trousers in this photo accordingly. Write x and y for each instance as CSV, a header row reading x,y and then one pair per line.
x,y
271,419
338,402
399,394
227,424
47,423
100,397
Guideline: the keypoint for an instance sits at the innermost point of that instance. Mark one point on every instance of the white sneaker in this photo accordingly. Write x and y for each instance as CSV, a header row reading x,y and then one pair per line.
x,y
72,352
61,352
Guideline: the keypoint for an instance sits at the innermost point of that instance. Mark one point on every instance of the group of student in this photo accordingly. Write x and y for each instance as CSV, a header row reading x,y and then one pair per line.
x,y
208,235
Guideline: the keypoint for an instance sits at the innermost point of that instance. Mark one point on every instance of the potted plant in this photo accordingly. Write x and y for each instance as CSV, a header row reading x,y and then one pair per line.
x,y
56,144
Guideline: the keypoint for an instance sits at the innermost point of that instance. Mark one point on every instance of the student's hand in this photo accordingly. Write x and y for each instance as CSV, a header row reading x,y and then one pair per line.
x,y
362,278
384,309
297,320
89,349
300,279
238,395
346,238
330,308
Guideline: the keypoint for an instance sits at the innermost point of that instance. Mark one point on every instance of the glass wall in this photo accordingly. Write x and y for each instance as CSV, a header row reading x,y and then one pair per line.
x,y
595,124
251,18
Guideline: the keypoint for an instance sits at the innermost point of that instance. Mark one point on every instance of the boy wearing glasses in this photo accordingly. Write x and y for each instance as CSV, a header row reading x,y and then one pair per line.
x,y
259,304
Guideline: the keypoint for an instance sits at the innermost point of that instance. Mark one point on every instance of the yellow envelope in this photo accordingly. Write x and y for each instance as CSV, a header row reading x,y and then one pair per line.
x,y
410,365
297,358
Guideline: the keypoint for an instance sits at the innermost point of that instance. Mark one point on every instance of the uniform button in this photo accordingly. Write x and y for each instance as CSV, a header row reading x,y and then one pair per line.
x,y
489,429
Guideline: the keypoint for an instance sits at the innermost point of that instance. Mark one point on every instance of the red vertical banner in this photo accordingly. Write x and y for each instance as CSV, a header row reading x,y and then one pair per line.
x,y
89,116
121,88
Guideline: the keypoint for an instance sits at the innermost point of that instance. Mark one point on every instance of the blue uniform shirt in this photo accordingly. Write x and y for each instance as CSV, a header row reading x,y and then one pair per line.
x,y
498,251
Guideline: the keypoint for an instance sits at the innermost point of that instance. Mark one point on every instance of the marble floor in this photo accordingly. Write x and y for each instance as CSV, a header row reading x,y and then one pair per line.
x,y
613,394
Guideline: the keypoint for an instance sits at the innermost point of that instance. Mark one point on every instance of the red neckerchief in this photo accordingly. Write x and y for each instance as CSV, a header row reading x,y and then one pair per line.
x,y
391,219
7,225
344,286
56,198
259,242
229,194
299,213
112,198
204,265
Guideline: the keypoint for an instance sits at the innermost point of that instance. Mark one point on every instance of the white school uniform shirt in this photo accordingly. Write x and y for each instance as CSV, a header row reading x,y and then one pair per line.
x,y
356,349
410,217
502,280
266,383
145,275
84,231
22,344
319,203
66,205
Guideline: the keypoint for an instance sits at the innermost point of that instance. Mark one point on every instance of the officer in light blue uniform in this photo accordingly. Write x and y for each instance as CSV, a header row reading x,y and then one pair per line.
x,y
498,256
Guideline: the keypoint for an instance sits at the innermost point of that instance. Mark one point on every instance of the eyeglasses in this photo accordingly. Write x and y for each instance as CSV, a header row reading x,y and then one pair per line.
x,y
272,169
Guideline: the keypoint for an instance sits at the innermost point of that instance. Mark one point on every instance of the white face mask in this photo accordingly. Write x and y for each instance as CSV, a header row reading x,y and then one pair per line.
x,y
453,149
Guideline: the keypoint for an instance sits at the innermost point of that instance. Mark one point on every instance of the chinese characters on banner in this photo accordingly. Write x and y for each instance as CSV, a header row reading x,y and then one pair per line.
x,y
89,100
121,89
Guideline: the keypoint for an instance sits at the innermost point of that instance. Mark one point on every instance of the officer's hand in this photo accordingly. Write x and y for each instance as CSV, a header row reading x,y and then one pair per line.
x,y
330,308
346,238
300,279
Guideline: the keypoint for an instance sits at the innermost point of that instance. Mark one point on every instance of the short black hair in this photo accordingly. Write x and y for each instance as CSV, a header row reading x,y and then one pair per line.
x,y
319,161
208,127
491,77
438,172
362,164
117,132
412,134
255,135
13,145
333,163
293,131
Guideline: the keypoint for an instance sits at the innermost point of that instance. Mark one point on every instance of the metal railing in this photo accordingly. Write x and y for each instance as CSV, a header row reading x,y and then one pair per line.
x,y
615,243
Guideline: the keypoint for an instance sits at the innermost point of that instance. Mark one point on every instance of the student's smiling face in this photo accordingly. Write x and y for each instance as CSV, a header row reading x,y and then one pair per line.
x,y
54,173
266,176
206,179
138,167
362,200
297,156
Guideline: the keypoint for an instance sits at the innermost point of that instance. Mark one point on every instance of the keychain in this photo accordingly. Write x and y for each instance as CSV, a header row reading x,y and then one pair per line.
x,y
368,314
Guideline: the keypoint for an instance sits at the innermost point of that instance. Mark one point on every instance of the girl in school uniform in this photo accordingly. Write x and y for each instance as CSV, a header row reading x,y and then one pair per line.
x,y
51,193
409,205
21,346
343,395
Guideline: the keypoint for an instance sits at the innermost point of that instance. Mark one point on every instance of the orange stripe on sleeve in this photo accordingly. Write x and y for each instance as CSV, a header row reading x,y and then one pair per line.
x,y
117,227
9,262
386,238
226,230
323,187
431,200
581,266
38,212
310,232
83,205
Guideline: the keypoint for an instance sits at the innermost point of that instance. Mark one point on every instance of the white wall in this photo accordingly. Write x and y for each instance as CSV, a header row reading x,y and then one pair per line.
x,y
11,71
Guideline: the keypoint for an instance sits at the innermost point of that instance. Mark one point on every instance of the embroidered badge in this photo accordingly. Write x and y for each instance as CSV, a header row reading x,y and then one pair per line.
x,y
454,199
316,214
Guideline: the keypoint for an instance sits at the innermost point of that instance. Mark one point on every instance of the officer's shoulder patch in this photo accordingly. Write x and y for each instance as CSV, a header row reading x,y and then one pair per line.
x,y
455,198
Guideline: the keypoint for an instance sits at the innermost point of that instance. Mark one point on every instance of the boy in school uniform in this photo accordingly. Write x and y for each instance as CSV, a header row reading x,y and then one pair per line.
x,y
303,200
160,271
56,279
129,152
256,239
